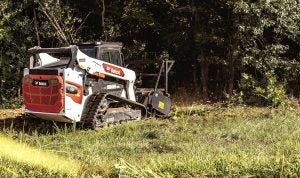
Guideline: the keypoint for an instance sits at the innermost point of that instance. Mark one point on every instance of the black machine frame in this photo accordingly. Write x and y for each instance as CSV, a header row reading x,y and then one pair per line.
x,y
164,69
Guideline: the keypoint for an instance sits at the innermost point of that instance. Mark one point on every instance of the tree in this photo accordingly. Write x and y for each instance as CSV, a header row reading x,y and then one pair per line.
x,y
15,35
219,46
268,31
60,21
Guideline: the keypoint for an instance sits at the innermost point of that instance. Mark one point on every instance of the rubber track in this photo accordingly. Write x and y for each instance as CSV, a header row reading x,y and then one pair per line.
x,y
90,109
92,113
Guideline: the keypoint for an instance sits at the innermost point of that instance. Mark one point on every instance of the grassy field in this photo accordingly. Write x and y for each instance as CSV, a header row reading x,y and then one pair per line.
x,y
198,141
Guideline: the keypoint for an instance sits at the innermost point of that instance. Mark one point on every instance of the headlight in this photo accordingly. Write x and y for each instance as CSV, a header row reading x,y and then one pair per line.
x,y
71,89
74,91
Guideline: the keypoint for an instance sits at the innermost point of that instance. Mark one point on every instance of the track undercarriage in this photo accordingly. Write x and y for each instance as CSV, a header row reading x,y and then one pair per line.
x,y
107,108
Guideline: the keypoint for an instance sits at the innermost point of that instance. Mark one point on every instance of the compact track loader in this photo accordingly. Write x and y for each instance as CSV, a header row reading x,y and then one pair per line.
x,y
89,84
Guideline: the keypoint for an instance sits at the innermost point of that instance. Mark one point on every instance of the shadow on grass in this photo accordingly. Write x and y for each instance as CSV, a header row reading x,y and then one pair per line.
x,y
30,124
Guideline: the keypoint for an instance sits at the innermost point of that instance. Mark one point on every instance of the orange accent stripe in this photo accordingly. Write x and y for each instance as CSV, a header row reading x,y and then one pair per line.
x,y
100,75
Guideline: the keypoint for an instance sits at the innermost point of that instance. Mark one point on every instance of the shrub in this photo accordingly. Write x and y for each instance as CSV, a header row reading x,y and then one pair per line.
x,y
267,92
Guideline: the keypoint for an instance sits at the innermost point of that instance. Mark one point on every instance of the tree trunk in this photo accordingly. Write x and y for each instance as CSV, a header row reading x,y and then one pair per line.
x,y
103,14
204,79
231,68
55,22
2,78
217,87
102,8
36,28
19,74
195,77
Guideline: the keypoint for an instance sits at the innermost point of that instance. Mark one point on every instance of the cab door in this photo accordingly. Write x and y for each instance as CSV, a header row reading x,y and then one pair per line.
x,y
111,55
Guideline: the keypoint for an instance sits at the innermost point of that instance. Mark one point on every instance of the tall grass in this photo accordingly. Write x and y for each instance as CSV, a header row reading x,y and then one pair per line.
x,y
22,153
197,141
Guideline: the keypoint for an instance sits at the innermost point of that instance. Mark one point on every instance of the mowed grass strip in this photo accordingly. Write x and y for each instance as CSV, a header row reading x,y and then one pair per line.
x,y
22,153
197,141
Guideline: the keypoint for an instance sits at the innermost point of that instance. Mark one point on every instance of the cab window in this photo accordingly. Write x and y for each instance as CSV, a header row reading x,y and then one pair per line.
x,y
89,51
111,56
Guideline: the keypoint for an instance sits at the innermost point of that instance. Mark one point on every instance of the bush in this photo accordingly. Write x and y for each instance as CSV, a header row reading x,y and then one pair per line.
x,y
11,103
267,92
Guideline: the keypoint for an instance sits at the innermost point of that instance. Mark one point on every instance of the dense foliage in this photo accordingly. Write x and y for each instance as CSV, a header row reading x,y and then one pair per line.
x,y
248,50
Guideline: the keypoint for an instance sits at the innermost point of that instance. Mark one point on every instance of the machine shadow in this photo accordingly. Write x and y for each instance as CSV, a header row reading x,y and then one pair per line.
x,y
33,125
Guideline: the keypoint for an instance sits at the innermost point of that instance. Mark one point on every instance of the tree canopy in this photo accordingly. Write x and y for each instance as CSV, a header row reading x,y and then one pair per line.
x,y
249,49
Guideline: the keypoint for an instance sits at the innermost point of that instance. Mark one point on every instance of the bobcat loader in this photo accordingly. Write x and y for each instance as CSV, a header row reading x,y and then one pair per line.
x,y
89,84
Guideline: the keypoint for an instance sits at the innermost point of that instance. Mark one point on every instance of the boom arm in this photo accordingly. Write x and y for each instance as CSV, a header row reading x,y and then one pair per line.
x,y
101,69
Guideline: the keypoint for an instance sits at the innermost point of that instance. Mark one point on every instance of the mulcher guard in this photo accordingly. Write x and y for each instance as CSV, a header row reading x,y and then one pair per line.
x,y
157,100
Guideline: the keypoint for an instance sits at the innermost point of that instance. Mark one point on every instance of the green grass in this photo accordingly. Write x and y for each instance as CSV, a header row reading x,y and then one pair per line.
x,y
197,141
37,157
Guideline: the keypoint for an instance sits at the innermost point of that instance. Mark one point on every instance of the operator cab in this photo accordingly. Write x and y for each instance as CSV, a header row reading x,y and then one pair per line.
x,y
110,52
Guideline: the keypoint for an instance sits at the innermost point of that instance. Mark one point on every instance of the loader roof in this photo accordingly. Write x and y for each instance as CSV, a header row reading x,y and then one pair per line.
x,y
101,43
37,49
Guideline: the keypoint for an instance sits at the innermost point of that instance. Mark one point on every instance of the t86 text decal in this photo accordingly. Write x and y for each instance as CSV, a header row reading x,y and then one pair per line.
x,y
113,70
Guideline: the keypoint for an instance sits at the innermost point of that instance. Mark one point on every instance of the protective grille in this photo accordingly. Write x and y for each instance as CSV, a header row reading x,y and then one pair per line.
x,y
43,98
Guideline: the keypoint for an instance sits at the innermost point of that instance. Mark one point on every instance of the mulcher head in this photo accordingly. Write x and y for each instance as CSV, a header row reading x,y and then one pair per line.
x,y
158,104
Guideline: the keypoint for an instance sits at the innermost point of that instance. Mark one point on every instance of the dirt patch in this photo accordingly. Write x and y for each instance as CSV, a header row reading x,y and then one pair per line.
x,y
10,113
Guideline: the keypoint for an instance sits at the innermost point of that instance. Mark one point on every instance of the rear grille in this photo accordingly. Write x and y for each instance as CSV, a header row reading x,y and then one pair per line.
x,y
43,98
41,95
